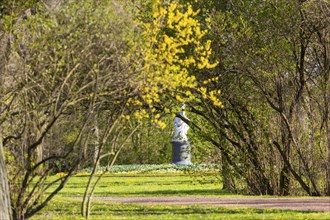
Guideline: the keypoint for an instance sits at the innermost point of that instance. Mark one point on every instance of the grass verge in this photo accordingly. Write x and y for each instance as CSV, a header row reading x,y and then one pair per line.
x,y
66,204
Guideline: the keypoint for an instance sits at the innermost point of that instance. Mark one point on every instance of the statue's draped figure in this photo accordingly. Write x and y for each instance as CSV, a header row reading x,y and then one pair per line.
x,y
180,143
180,128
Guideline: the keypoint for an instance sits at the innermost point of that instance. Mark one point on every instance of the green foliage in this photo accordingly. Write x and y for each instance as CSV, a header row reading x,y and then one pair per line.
x,y
13,8
268,78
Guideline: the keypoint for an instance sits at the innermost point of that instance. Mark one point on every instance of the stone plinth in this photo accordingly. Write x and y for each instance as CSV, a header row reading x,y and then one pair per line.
x,y
181,152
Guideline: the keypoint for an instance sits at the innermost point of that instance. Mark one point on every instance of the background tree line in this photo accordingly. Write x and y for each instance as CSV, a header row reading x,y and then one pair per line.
x,y
82,81
274,76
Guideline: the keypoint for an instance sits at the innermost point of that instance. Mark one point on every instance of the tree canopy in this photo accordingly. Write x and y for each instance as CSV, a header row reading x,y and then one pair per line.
x,y
82,80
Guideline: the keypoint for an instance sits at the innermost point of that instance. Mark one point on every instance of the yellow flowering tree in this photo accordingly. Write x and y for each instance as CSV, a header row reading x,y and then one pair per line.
x,y
174,48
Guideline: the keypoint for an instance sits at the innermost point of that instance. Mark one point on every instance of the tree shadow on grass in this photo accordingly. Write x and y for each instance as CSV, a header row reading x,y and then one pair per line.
x,y
192,192
142,210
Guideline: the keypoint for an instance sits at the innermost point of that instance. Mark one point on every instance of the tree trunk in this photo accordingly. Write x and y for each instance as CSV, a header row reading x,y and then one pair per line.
x,y
96,145
328,159
5,207
39,155
285,173
228,182
284,181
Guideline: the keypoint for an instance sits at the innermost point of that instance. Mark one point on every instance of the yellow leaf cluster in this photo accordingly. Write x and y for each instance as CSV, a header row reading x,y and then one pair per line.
x,y
174,46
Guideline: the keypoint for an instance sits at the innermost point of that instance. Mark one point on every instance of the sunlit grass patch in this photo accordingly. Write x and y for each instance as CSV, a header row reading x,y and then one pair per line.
x,y
69,209
156,183
148,184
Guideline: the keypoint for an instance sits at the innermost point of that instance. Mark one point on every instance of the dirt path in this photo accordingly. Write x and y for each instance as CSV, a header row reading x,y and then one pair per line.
x,y
304,204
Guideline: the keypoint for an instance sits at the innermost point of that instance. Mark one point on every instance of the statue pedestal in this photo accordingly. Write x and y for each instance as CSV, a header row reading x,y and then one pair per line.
x,y
181,152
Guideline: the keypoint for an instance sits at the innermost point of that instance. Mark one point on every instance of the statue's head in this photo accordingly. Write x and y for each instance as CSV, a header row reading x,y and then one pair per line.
x,y
183,106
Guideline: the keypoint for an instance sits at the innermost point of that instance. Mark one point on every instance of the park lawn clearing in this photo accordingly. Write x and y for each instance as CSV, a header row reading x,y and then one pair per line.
x,y
66,205
69,209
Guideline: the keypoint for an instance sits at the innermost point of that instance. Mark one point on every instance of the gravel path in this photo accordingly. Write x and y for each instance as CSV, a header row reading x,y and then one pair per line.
x,y
303,204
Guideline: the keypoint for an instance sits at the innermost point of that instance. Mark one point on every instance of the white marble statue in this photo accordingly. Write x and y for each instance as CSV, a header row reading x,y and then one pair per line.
x,y
180,127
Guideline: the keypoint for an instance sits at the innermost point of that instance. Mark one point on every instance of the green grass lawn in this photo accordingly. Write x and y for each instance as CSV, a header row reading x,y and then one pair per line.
x,y
66,204
148,185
